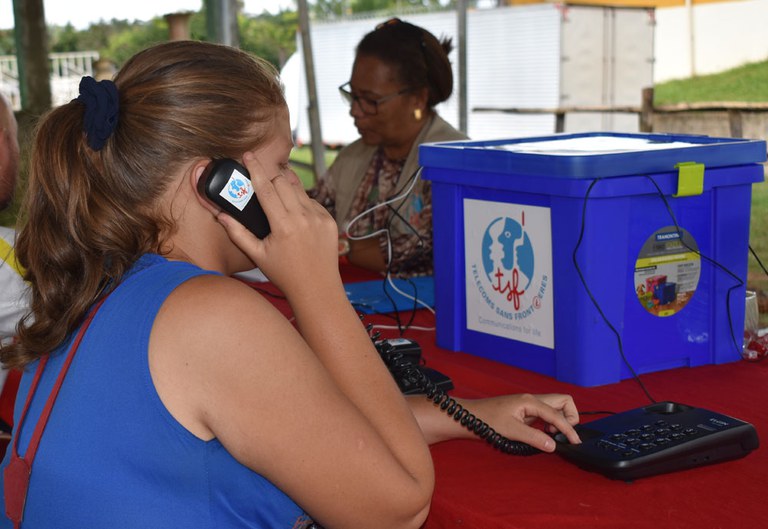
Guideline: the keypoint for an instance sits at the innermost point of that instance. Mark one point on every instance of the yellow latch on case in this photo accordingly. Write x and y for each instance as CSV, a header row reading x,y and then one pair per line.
x,y
690,179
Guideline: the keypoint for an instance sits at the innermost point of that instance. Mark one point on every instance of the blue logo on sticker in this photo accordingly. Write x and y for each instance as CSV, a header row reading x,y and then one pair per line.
x,y
508,261
238,190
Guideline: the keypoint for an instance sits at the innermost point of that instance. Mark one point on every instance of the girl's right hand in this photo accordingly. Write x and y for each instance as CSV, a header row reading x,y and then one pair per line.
x,y
301,249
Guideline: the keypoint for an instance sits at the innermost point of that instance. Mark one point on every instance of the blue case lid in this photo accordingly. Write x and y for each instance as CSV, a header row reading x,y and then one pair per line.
x,y
589,155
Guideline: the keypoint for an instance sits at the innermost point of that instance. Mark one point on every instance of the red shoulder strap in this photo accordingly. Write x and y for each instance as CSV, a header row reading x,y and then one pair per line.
x,y
16,475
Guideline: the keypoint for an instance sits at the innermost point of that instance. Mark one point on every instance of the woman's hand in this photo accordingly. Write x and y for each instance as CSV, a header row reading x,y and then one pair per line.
x,y
300,252
513,416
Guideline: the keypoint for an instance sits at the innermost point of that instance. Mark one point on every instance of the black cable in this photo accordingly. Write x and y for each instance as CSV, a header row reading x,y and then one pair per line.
x,y
388,227
592,297
421,244
395,310
739,282
759,262
415,296
401,368
396,211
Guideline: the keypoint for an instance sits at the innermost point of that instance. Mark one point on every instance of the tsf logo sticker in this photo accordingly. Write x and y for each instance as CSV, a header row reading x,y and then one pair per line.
x,y
238,190
508,271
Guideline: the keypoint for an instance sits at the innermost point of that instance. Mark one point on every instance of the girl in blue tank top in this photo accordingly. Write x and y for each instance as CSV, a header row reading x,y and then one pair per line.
x,y
160,392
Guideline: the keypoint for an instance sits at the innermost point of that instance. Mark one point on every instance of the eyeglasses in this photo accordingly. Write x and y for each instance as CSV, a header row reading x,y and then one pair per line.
x,y
367,105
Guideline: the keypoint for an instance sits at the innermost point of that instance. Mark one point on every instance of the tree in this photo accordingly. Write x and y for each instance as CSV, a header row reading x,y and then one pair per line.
x,y
338,8
331,8
98,35
64,39
7,43
137,36
272,37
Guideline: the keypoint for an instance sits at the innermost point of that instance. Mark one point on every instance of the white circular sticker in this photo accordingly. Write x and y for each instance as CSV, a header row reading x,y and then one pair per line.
x,y
667,271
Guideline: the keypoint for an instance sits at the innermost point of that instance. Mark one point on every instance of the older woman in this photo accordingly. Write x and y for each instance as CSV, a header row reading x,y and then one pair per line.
x,y
401,72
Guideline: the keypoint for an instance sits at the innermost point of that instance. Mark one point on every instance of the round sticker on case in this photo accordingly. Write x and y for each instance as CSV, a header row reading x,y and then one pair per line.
x,y
238,190
667,271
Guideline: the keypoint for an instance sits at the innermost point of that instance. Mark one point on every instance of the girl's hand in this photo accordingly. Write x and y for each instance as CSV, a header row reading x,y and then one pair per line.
x,y
302,246
515,417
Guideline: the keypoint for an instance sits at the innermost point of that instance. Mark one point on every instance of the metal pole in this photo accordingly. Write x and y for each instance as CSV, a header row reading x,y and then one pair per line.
x,y
221,21
461,7
318,151
226,33
691,37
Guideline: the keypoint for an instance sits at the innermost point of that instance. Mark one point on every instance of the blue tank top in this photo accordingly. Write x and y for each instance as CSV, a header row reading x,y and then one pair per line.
x,y
112,456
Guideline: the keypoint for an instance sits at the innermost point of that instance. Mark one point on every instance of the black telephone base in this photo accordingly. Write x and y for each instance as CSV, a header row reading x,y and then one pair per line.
x,y
441,382
403,357
663,437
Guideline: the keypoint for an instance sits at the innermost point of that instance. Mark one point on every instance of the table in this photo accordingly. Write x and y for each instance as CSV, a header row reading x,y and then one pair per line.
x,y
480,488
477,487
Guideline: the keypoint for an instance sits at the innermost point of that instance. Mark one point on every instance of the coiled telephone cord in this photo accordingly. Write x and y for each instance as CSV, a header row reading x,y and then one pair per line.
x,y
401,367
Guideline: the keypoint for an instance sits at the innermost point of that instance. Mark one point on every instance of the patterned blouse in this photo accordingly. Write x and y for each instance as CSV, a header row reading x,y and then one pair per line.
x,y
411,250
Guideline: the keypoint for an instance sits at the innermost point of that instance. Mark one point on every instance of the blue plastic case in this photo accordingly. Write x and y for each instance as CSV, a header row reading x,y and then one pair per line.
x,y
529,231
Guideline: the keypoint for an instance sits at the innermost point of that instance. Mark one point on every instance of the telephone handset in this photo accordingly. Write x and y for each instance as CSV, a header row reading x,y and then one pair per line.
x,y
227,184
402,357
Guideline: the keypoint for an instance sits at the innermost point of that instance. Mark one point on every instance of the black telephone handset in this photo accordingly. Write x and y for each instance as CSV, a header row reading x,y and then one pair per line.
x,y
227,184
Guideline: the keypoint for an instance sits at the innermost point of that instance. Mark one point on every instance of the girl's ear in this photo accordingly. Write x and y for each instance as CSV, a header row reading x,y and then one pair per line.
x,y
195,174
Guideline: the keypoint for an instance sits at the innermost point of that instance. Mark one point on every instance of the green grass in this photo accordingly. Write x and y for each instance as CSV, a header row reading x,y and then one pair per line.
x,y
302,156
759,218
745,83
758,240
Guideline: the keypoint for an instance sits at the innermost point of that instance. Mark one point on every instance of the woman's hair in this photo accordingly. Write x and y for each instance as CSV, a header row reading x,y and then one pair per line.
x,y
419,58
89,214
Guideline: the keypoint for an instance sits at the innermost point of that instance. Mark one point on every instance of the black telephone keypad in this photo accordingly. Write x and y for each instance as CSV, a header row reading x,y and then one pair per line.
x,y
641,439
663,437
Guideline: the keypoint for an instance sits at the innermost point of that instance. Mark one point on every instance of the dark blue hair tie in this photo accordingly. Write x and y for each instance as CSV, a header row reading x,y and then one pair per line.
x,y
102,107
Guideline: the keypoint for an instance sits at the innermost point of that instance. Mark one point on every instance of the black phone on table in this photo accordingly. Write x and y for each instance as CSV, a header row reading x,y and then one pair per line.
x,y
227,184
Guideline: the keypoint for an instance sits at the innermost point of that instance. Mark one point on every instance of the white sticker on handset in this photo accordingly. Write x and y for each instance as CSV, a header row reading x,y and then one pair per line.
x,y
238,190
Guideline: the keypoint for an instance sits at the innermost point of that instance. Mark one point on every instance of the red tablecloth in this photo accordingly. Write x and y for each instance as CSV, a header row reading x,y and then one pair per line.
x,y
477,487
480,488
